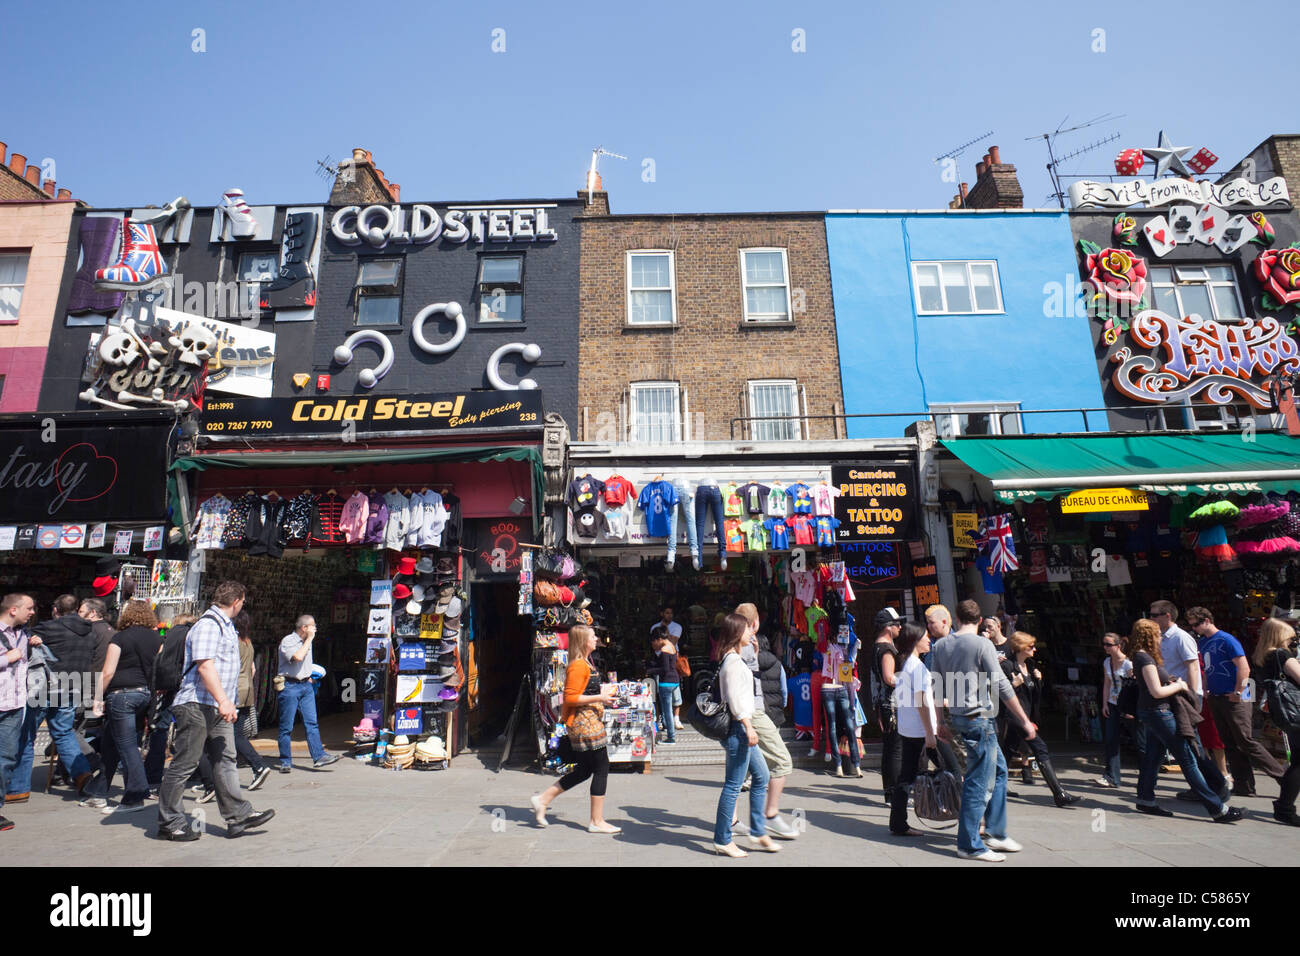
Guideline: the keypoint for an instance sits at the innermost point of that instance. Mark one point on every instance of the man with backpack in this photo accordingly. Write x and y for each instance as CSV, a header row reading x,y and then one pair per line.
x,y
205,711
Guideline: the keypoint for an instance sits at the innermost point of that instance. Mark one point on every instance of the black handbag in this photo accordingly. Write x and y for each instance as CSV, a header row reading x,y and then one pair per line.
x,y
1282,698
709,713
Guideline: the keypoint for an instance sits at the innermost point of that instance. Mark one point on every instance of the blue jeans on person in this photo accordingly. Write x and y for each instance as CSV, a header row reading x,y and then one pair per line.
x,y
742,759
1202,776
839,720
666,708
687,507
984,791
1111,730
11,731
155,760
124,710
294,699
60,721
708,503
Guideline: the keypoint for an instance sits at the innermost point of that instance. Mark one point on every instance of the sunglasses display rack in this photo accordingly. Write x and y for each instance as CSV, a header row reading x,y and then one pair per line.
x,y
630,722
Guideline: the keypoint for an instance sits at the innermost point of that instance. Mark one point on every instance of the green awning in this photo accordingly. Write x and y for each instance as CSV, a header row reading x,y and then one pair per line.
x,y
305,459
1023,468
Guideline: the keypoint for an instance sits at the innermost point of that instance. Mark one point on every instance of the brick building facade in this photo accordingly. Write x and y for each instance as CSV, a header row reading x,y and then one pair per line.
x,y
709,349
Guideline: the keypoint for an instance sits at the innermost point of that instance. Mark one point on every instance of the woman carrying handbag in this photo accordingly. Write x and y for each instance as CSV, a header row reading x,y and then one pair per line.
x,y
584,716
1274,655
917,722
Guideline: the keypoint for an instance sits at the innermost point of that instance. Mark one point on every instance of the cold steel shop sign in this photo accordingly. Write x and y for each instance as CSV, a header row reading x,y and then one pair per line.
x,y
876,502
359,415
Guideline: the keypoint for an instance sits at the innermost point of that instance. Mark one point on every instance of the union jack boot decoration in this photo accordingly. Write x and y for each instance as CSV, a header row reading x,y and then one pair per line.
x,y
140,265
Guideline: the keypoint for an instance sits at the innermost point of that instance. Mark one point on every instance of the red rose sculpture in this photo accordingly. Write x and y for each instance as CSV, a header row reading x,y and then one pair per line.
x,y
1278,270
1118,275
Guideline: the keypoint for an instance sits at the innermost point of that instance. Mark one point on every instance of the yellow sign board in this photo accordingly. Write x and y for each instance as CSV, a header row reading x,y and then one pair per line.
x,y
1104,499
963,521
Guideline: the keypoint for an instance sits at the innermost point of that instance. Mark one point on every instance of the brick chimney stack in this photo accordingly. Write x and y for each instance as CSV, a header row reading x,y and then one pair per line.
x,y
20,181
360,183
594,195
996,184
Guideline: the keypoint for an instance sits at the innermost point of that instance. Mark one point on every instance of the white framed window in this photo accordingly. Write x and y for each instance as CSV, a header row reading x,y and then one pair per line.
x,y
1209,291
977,418
501,289
765,277
774,410
655,412
1203,416
13,276
379,292
651,289
958,287
254,269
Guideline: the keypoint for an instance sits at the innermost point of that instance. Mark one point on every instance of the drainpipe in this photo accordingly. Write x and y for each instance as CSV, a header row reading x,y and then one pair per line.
x,y
936,528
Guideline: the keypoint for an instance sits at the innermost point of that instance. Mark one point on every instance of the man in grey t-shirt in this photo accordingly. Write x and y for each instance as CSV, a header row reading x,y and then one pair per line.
x,y
299,694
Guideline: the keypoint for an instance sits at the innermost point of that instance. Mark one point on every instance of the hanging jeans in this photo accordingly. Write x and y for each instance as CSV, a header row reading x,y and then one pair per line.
x,y
839,720
686,505
708,503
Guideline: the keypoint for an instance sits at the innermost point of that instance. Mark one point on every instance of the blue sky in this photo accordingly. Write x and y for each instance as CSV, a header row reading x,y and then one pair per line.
x,y
732,117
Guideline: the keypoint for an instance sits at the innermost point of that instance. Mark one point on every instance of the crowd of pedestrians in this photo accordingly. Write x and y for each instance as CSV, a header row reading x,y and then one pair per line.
x,y
173,700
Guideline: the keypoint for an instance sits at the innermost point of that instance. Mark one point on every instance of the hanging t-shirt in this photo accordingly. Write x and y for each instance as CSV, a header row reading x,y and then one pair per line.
x,y
779,532
800,499
802,527
805,586
416,521
1117,570
824,496
776,502
731,504
826,531
399,520
735,537
753,496
817,625
582,493
433,518
618,490
616,522
755,534
353,522
657,500
212,522
588,523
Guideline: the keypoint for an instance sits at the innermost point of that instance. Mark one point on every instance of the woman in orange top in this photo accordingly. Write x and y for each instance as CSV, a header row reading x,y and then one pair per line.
x,y
584,716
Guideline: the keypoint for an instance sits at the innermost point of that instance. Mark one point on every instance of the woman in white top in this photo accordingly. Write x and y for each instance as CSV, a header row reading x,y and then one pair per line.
x,y
738,687
917,722
1115,669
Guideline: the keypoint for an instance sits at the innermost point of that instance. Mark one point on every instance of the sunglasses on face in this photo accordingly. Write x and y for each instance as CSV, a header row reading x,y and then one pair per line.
x,y
1109,644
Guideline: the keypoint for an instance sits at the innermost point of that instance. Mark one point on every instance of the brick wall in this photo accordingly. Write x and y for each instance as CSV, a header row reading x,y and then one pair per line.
x,y
711,351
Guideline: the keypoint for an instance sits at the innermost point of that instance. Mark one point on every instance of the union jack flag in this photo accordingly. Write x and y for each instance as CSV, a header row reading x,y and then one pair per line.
x,y
995,535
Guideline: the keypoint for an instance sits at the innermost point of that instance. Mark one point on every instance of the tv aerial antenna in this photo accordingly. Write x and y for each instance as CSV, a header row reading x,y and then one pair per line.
x,y
591,173
1054,163
957,151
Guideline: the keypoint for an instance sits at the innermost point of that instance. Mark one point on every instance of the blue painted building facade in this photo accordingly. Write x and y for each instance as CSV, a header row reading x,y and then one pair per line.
x,y
910,339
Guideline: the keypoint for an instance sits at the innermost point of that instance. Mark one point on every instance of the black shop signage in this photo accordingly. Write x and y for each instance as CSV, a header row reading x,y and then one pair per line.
x,y
873,564
876,502
52,470
925,582
361,414
498,544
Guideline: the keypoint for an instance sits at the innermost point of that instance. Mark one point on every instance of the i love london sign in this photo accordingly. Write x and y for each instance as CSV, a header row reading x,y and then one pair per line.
x,y
1237,192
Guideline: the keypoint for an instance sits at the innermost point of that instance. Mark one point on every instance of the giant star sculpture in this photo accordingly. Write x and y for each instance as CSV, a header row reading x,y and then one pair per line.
x,y
1167,156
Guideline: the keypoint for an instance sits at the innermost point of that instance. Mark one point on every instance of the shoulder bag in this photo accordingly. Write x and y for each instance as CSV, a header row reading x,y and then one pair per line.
x,y
1282,697
936,795
709,713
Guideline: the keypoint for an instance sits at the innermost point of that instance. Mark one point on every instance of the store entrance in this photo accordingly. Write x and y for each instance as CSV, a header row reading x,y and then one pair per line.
x,y
498,659
331,585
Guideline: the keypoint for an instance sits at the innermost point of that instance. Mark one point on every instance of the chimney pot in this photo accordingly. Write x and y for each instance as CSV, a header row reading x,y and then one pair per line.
x,y
4,148
17,163
396,191
964,190
65,194
980,167
33,175
996,155
359,155
48,186
987,160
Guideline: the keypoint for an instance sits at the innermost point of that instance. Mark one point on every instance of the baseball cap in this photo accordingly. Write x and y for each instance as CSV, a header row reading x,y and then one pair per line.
x,y
887,617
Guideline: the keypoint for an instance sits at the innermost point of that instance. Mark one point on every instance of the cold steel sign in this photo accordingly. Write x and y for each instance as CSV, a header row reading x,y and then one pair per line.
x,y
876,502
249,417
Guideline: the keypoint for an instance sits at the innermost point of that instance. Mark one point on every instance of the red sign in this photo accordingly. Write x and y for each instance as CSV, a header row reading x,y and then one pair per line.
x,y
322,383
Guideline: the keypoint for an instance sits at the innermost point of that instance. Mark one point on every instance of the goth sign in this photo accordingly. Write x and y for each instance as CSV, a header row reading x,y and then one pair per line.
x,y
61,472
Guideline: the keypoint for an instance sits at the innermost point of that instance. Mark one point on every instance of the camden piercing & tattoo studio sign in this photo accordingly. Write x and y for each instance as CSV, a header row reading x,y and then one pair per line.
x,y
81,472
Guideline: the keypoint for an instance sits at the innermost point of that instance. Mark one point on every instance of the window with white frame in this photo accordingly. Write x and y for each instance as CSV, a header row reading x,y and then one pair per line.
x,y
1203,416
774,410
650,289
254,269
957,287
501,289
13,276
1209,291
767,289
655,412
379,292
972,418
